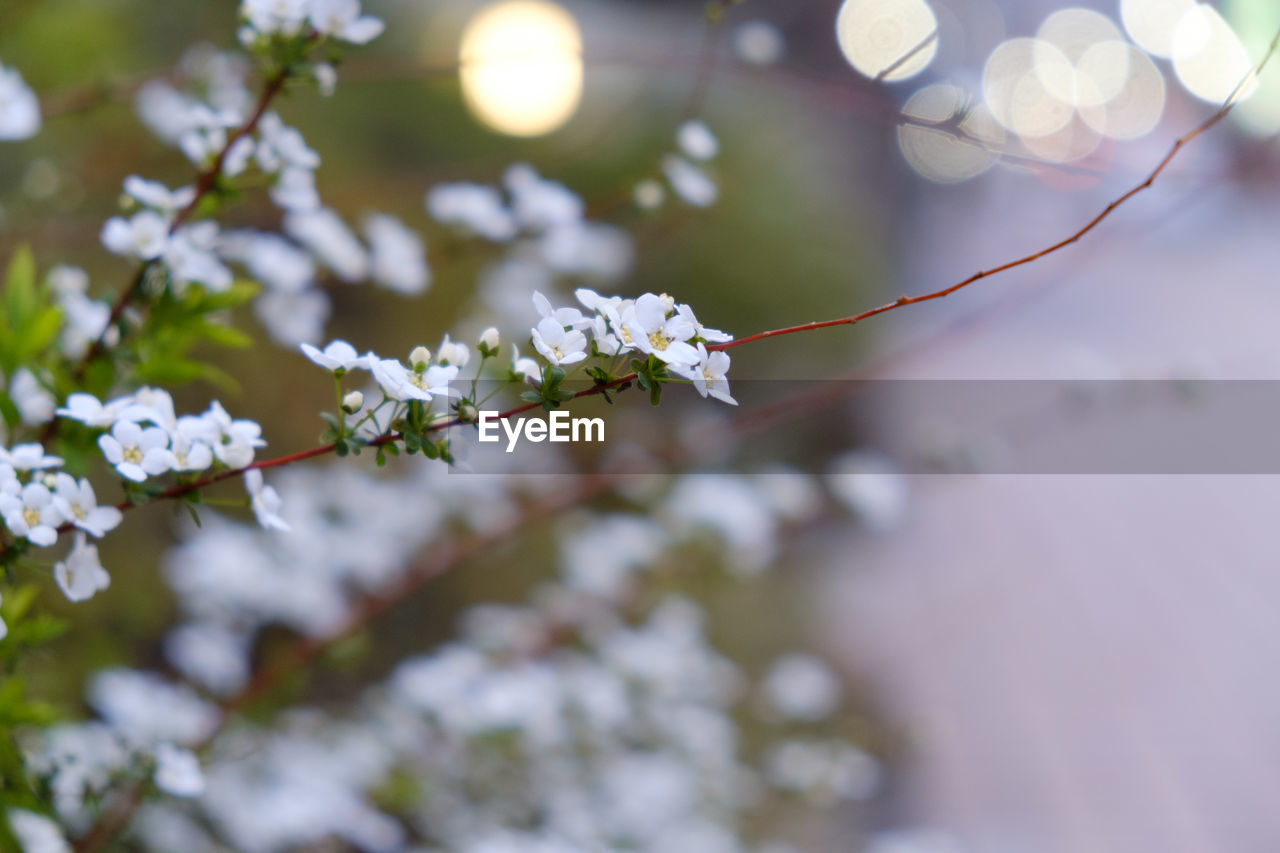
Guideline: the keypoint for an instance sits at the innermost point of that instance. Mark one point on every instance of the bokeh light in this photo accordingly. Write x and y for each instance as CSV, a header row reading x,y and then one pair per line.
x,y
887,39
1075,83
945,137
1013,83
1152,23
521,66
1208,57
1256,22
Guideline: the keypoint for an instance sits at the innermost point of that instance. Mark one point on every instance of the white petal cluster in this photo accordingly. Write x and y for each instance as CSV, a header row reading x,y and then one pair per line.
x,y
187,251
649,325
338,19
420,379
84,320
19,109
144,437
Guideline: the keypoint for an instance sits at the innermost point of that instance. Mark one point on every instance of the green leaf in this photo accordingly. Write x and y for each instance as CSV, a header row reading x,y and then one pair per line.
x,y
225,336
20,287
36,334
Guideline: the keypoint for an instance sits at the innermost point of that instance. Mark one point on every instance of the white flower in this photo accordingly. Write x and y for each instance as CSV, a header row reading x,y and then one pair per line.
x,y
397,258
872,487
32,514
567,316
178,771
490,338
275,16
400,383
189,452
697,141
65,280
90,411
525,367
79,505
475,207
81,575
151,404
271,259
338,355
265,501
144,236
34,403
802,687
342,20
36,833
689,182
326,77
237,438
19,109
539,204
294,318
453,352
327,237
711,336
157,196
708,374
653,332
237,157
556,345
190,258
29,457
295,189
281,147
136,452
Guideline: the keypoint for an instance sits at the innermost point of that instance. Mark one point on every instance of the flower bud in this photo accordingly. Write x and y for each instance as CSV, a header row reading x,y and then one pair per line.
x,y
668,302
419,359
467,413
452,352
490,338
353,402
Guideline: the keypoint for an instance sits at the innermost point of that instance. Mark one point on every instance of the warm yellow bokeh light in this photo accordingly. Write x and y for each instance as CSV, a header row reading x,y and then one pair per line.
x,y
521,66
887,39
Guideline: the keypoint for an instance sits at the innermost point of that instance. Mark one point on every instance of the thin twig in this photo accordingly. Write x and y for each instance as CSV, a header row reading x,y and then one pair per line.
x,y
903,301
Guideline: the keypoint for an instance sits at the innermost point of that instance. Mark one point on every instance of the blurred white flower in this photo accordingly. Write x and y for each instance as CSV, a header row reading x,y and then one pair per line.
x,y
80,575
19,109
801,687
397,257
265,501
697,141
144,236
178,771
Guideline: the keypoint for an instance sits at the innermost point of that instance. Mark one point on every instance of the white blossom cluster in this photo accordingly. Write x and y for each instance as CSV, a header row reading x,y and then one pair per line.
x,y
651,324
574,722
292,307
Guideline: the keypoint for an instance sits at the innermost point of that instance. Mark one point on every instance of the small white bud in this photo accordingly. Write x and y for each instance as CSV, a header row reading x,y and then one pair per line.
x,y
419,358
490,338
453,352
353,402
668,302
